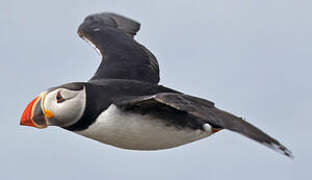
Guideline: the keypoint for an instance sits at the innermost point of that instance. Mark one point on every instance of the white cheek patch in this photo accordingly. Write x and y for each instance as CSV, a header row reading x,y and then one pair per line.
x,y
69,111
67,94
92,45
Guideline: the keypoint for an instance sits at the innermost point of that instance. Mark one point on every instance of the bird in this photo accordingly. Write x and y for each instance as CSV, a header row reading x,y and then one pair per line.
x,y
123,104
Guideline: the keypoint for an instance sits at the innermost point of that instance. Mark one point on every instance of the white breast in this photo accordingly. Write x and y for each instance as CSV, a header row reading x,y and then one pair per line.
x,y
140,132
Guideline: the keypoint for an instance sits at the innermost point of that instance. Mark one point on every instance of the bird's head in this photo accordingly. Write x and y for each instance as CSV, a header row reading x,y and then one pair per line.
x,y
60,106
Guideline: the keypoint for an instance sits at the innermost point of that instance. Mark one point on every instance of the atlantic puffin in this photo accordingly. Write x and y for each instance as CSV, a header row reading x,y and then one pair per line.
x,y
124,106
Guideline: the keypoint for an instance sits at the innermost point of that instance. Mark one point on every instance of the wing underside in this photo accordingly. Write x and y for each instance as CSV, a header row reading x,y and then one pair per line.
x,y
194,112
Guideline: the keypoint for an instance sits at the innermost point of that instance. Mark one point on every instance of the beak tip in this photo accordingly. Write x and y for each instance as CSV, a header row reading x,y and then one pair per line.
x,y
26,116
26,122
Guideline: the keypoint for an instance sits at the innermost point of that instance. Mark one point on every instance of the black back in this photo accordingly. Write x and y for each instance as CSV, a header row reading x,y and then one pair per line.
x,y
102,93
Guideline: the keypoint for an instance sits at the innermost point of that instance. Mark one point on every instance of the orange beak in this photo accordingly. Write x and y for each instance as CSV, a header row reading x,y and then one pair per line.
x,y
34,115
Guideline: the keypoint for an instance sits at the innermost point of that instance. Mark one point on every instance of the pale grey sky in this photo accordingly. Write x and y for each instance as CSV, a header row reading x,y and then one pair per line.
x,y
252,58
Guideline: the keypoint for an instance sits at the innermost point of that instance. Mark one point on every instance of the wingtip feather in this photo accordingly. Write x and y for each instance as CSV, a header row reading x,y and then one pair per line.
x,y
280,148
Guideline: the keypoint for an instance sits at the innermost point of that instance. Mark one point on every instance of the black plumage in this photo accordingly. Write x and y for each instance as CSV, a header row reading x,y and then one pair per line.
x,y
123,57
128,76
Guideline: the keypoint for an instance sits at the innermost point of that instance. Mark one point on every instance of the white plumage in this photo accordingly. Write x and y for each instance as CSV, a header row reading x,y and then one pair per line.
x,y
139,132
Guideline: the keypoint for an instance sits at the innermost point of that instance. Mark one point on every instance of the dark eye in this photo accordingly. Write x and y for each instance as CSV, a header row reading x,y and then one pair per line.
x,y
59,97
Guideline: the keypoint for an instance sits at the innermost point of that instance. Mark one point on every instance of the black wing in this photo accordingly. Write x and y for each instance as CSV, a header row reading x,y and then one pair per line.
x,y
122,57
195,112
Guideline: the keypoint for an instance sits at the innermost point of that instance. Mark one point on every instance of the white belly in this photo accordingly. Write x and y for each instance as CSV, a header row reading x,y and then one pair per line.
x,y
140,132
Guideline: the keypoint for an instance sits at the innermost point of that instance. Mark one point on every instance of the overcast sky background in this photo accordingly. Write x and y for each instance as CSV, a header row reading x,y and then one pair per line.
x,y
252,58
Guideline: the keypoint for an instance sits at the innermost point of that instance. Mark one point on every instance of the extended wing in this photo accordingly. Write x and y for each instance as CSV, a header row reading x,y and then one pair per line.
x,y
185,110
122,57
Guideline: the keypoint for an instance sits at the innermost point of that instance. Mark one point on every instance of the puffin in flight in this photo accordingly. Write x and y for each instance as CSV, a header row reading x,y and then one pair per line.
x,y
122,104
